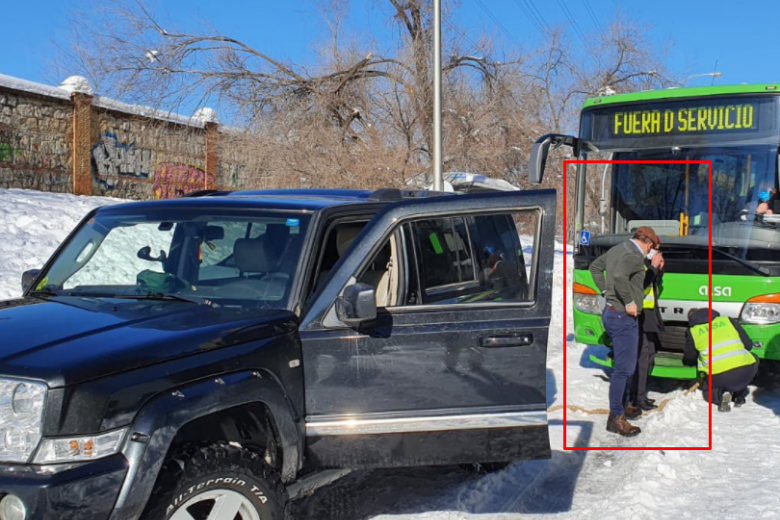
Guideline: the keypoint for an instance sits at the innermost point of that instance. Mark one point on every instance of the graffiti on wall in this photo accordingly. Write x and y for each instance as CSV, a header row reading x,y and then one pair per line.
x,y
112,160
8,143
172,180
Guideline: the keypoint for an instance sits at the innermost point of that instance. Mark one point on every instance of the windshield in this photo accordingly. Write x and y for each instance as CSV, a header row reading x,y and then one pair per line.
x,y
228,258
613,200
674,198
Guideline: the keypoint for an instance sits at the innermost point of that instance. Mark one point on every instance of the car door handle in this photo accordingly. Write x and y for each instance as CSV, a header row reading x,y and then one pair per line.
x,y
511,340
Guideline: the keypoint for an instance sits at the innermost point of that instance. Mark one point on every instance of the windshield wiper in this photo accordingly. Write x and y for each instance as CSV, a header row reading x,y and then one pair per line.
x,y
746,263
165,297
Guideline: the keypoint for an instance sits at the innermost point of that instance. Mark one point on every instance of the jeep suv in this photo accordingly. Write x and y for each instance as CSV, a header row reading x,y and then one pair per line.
x,y
193,359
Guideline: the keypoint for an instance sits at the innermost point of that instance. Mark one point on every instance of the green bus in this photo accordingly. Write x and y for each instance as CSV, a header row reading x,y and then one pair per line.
x,y
737,128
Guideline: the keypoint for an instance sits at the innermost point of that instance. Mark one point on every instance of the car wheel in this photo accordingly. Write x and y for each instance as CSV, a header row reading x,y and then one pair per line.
x,y
217,482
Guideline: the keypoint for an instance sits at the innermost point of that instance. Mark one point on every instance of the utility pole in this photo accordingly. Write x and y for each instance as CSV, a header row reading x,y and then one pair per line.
x,y
438,183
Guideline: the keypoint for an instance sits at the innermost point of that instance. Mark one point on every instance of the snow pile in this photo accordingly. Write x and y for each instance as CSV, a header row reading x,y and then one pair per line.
x,y
78,84
32,226
737,479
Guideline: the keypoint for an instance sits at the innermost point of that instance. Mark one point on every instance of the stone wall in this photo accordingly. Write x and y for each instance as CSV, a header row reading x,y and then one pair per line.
x,y
35,142
142,158
66,139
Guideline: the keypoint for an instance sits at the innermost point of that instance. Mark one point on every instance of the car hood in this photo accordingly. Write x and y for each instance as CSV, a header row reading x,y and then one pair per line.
x,y
67,340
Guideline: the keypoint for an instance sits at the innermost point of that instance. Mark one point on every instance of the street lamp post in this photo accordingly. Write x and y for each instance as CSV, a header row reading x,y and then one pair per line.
x,y
438,183
710,74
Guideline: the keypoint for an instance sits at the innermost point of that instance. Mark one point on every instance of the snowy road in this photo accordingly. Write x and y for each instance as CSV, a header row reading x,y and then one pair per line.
x,y
737,479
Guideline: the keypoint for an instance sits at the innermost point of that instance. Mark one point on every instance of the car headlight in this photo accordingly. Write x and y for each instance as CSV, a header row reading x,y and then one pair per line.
x,y
760,313
80,448
21,418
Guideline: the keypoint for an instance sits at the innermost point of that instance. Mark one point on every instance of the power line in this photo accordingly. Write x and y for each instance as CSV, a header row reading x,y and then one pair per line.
x,y
461,32
539,15
573,20
592,15
531,17
498,23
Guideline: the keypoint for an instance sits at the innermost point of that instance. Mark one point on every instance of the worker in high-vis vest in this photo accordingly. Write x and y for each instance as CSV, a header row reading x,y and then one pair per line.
x,y
650,324
733,366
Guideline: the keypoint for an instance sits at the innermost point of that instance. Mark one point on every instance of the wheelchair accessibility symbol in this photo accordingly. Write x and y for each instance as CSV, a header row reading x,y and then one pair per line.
x,y
584,238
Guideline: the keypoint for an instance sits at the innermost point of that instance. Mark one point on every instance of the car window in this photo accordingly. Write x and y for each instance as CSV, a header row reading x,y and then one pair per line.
x,y
216,250
474,259
384,272
445,258
505,244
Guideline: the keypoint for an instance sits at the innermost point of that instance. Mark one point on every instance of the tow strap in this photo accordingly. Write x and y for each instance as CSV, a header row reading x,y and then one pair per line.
x,y
605,411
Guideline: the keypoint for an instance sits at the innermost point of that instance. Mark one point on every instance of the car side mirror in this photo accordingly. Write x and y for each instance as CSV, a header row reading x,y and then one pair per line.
x,y
28,277
357,304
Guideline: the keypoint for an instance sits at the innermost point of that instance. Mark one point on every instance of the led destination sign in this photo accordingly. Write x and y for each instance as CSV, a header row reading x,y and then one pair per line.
x,y
685,120
692,120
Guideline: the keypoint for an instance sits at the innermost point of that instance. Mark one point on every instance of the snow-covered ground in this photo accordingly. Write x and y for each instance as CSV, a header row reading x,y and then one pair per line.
x,y
737,479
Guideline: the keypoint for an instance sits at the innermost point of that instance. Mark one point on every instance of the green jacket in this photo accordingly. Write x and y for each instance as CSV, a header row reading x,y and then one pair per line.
x,y
625,283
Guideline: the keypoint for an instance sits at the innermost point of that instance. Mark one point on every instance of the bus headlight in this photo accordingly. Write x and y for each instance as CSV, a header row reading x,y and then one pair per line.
x,y
585,299
762,310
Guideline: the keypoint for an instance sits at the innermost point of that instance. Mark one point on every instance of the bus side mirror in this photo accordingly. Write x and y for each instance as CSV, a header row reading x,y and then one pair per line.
x,y
603,207
541,149
539,153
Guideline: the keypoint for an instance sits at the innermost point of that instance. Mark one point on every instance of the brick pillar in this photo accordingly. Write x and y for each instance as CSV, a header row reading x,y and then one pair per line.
x,y
82,143
212,154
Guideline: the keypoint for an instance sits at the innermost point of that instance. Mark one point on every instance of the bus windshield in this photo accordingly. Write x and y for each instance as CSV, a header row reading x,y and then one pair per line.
x,y
738,135
667,195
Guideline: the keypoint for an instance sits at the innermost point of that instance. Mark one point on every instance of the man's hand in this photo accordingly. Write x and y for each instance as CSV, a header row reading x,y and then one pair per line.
x,y
631,309
658,261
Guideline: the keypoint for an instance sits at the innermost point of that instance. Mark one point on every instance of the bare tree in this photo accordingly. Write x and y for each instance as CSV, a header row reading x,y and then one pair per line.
x,y
360,114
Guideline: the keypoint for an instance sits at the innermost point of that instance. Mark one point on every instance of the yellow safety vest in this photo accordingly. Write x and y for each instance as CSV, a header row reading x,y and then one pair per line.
x,y
649,301
728,352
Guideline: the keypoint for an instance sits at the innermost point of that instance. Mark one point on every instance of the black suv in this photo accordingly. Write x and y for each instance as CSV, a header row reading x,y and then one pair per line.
x,y
193,359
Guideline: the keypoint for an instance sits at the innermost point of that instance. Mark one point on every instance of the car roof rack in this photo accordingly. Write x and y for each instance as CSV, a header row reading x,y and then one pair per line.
x,y
395,194
206,193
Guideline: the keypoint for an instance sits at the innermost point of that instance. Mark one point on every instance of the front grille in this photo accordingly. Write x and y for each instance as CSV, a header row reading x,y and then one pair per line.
x,y
673,338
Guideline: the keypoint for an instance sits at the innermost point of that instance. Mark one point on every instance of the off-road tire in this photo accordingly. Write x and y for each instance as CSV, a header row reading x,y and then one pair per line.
x,y
219,466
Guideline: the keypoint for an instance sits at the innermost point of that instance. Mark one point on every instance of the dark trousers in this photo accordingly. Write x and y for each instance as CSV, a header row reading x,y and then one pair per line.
x,y
624,331
648,342
735,381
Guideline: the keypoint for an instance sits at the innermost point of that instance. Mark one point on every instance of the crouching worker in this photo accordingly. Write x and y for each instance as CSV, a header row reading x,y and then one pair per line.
x,y
733,366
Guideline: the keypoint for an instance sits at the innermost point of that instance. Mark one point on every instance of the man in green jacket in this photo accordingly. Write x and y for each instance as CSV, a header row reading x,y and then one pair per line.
x,y
623,289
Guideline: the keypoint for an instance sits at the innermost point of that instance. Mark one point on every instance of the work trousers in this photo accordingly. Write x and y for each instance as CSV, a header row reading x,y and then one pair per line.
x,y
735,381
648,342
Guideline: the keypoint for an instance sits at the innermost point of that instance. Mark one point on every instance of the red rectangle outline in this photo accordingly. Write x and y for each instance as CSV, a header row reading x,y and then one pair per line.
x,y
565,292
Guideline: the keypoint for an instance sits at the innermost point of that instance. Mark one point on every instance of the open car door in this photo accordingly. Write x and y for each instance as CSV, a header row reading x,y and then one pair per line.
x,y
428,343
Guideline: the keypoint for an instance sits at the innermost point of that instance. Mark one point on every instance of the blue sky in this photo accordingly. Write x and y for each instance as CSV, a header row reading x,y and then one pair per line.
x,y
742,41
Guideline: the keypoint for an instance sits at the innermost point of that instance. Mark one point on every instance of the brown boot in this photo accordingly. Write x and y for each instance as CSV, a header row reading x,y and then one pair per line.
x,y
631,411
621,426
